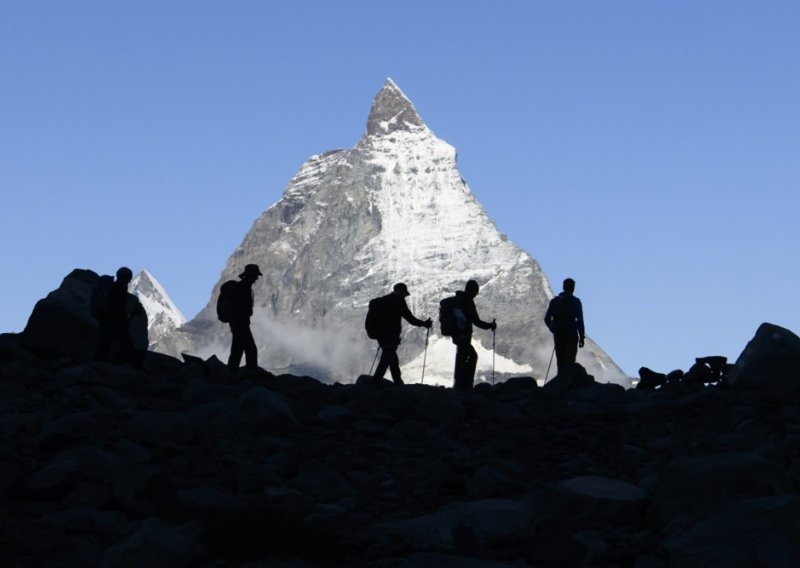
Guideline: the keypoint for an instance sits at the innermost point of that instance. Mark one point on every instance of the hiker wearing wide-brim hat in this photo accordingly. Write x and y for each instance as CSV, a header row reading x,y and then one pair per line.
x,y
242,342
251,271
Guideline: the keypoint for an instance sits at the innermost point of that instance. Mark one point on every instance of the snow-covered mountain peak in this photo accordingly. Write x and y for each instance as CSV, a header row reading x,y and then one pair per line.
x,y
163,316
353,222
392,111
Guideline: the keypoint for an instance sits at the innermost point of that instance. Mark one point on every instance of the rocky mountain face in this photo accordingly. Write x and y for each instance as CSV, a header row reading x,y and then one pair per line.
x,y
350,224
163,317
182,464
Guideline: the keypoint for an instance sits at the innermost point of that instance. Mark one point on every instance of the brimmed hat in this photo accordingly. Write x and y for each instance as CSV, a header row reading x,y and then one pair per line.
x,y
251,270
401,289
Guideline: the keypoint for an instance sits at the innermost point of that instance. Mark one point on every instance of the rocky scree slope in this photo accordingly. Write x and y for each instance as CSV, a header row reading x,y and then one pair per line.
x,y
182,464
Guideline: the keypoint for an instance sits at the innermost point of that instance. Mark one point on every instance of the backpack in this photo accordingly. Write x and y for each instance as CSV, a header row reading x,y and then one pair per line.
x,y
226,302
451,317
98,301
378,317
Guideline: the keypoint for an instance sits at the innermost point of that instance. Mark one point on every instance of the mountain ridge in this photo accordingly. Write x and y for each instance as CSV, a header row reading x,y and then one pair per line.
x,y
351,223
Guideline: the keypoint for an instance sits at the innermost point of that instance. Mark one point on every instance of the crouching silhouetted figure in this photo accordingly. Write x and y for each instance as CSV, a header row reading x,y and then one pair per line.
x,y
564,319
114,312
242,342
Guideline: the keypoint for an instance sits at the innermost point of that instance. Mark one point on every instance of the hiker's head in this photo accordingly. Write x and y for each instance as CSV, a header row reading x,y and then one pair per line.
x,y
401,289
124,274
569,285
472,288
251,272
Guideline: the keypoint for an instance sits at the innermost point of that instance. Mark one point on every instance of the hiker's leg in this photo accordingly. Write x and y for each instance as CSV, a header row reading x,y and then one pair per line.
x,y
394,365
385,360
237,349
249,348
562,352
571,349
471,364
460,380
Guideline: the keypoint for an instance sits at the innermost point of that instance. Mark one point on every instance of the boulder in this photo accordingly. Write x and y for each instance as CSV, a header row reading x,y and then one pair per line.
x,y
61,324
574,377
697,485
488,518
753,532
265,408
769,366
602,499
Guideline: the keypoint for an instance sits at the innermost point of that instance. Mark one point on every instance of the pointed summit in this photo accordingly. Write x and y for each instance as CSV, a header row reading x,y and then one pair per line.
x,y
392,111
351,224
162,314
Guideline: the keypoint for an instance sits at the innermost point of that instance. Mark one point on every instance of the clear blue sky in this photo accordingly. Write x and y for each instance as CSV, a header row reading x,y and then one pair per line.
x,y
650,150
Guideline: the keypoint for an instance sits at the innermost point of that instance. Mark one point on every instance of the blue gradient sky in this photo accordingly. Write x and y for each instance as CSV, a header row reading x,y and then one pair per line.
x,y
650,150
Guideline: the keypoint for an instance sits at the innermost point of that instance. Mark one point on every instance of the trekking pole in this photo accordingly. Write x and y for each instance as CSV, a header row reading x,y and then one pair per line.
x,y
548,366
425,357
493,350
375,359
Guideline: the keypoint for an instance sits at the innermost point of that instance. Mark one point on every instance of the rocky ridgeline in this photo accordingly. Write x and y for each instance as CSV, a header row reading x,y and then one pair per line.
x,y
182,464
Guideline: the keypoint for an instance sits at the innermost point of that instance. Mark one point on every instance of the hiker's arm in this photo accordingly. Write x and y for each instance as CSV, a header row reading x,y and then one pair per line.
x,y
409,317
581,330
548,316
476,319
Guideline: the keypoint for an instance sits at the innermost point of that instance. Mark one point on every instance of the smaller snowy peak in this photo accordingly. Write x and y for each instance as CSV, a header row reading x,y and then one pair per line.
x,y
392,111
162,314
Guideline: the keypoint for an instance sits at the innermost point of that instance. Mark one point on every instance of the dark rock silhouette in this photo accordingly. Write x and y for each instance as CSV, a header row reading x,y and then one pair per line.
x,y
768,366
61,325
184,464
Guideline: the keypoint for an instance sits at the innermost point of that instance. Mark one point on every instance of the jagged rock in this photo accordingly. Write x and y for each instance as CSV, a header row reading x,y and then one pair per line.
x,y
769,366
99,461
574,377
61,324
649,379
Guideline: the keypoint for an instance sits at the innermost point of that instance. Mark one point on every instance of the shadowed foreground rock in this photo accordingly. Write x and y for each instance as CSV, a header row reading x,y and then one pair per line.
x,y
180,464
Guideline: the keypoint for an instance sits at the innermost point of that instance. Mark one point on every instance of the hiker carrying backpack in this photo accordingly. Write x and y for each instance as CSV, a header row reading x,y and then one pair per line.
x,y
457,316
226,302
383,324
378,322
564,318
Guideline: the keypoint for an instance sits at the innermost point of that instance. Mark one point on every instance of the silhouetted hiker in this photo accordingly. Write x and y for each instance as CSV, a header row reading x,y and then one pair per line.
x,y
564,319
111,306
383,324
457,315
241,309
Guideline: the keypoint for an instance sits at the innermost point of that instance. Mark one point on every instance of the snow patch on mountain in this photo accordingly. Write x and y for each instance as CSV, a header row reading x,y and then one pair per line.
x,y
353,222
163,316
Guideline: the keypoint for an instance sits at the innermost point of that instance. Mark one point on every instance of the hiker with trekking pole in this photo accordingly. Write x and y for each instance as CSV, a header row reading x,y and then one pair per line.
x,y
383,324
564,319
458,314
